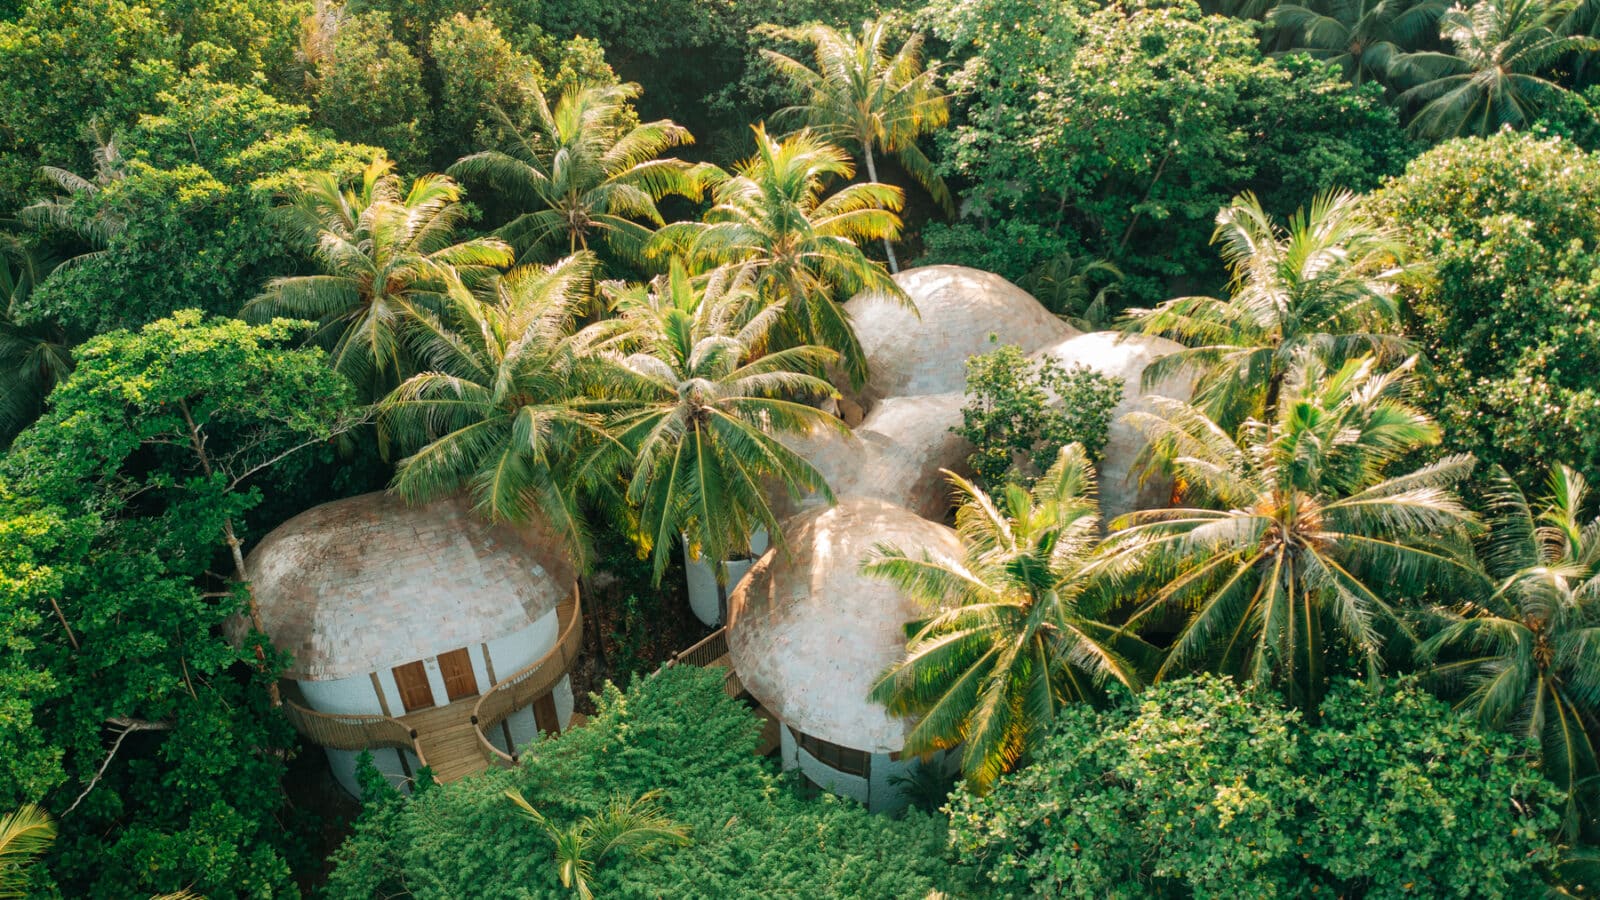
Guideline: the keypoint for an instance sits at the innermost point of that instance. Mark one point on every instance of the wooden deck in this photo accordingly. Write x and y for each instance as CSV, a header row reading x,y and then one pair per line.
x,y
448,739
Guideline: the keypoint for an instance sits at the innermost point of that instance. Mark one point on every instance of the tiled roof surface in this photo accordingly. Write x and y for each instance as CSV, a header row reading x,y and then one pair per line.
x,y
809,634
369,582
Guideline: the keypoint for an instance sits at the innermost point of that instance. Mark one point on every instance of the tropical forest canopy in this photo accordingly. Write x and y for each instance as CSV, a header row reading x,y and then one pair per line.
x,y
586,261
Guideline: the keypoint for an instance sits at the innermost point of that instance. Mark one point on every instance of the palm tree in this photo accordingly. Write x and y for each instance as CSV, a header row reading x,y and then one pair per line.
x,y
583,169
34,357
1527,650
1325,282
703,410
802,246
1362,36
64,212
1491,76
1078,289
1299,539
387,258
24,834
622,826
1013,632
501,409
869,99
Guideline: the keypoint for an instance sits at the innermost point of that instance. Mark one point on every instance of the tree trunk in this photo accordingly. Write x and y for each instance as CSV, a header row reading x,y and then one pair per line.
x,y
198,443
592,605
720,567
1127,234
894,264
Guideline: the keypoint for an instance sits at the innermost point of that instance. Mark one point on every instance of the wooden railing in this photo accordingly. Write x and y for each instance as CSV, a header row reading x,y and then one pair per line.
x,y
350,732
526,685
711,650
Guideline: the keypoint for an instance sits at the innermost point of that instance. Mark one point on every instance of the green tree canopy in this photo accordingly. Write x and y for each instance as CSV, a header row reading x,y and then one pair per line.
x,y
1196,788
1511,239
1123,128
1299,543
677,733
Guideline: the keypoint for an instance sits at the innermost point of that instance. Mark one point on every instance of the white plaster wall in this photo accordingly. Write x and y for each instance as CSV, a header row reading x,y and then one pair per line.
x,y
344,696
875,792
522,648
343,764
525,727
702,578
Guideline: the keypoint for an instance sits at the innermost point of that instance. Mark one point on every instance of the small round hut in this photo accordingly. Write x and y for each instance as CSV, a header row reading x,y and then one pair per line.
x,y
809,634
399,619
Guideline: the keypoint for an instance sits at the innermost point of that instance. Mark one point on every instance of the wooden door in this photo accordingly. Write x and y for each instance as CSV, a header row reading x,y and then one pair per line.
x,y
459,682
544,715
412,679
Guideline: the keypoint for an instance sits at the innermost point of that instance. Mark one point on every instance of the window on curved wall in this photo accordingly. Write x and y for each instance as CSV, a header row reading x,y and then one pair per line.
x,y
842,759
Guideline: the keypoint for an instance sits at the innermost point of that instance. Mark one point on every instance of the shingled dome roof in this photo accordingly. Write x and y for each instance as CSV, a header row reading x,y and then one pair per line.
x,y
369,582
809,634
1125,357
911,353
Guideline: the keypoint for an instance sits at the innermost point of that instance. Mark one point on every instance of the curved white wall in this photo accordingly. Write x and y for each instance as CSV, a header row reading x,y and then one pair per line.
x,y
702,578
876,792
506,655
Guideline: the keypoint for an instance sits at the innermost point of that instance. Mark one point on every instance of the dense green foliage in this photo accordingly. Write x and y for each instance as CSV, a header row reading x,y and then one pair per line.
x,y
1013,634
1020,413
1512,238
135,478
751,835
1121,129
165,162
1224,793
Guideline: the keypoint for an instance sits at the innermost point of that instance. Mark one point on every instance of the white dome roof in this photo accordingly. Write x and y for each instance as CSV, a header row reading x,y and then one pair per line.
x,y
368,582
809,634
894,455
957,309
1125,356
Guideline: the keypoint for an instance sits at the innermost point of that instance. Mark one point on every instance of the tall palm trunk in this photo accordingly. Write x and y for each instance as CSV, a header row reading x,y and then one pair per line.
x,y
872,175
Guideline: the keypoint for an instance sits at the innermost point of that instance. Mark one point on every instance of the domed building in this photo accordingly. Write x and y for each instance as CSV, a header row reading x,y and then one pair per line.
x,y
911,352
1126,356
421,633
809,634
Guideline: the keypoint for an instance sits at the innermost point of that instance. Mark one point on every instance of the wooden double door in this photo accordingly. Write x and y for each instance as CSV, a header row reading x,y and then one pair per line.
x,y
459,681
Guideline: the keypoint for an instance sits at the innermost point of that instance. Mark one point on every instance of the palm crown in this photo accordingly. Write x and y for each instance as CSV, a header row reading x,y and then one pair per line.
x,y
1526,652
1491,76
502,410
1299,533
1013,631
1324,283
802,245
700,411
622,826
864,96
387,257
1361,36
581,168
34,357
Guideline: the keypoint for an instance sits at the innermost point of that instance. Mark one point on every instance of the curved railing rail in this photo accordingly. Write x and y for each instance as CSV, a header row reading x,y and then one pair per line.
x,y
352,732
526,685
712,650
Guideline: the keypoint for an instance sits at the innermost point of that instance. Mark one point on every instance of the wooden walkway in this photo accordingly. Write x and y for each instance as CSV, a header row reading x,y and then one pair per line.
x,y
448,739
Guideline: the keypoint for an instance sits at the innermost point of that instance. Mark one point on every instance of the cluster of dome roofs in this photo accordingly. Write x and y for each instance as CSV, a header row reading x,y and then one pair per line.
x,y
807,632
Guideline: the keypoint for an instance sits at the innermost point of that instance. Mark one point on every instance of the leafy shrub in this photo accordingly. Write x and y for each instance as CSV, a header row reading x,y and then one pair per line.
x,y
1511,232
370,90
1196,788
1020,413
752,835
